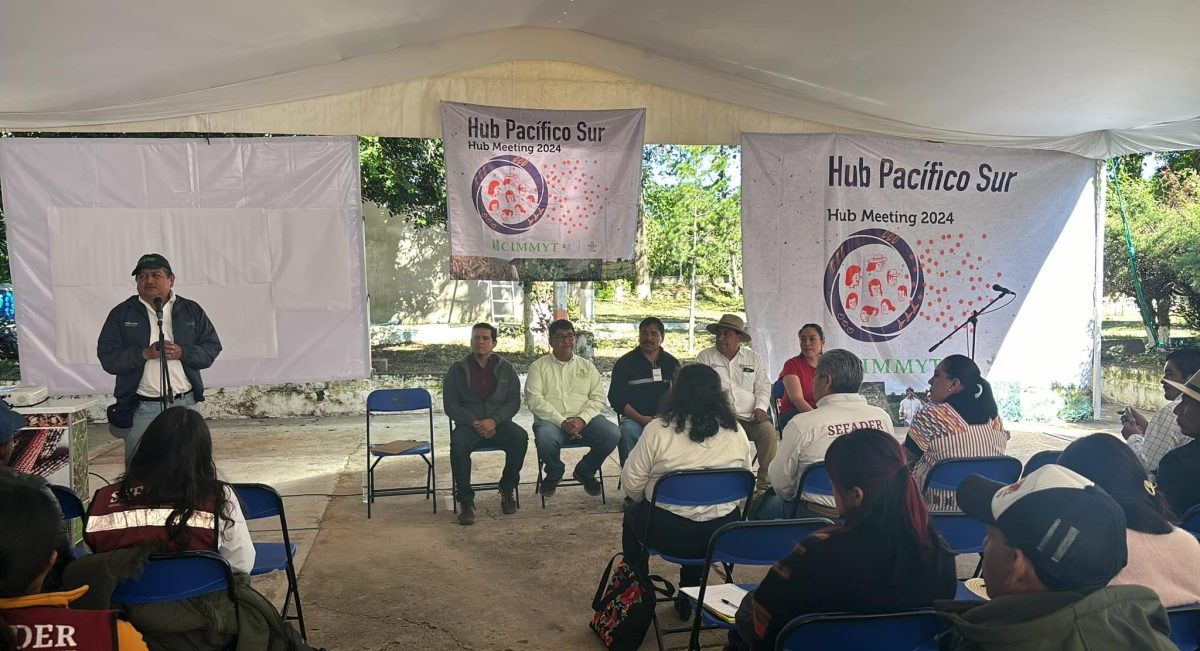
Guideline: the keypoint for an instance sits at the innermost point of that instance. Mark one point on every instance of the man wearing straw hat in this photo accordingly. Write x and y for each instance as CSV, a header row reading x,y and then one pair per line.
x,y
747,385
1179,470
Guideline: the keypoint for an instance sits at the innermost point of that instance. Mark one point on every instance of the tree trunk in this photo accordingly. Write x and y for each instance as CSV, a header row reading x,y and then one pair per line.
x,y
692,302
1162,308
587,301
640,262
527,314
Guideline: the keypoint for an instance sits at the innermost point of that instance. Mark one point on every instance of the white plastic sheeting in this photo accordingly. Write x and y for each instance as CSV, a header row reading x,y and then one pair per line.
x,y
266,234
1091,77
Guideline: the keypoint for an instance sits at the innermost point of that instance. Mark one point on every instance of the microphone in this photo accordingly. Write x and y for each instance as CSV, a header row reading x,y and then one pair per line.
x,y
1003,290
158,307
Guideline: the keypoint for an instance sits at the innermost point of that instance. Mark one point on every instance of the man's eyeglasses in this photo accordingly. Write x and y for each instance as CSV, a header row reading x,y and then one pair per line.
x,y
563,337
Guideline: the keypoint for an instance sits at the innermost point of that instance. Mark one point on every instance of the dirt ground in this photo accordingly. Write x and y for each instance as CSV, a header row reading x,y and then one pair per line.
x,y
411,579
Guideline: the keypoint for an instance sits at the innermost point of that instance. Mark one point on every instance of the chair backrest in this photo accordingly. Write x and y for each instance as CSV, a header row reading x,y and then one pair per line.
x,y
946,474
68,502
760,542
963,534
1191,520
910,630
815,479
703,487
777,390
395,400
170,577
1185,626
258,501
1045,457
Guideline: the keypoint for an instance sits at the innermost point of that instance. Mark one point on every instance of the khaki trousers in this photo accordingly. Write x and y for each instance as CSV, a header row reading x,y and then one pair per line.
x,y
766,443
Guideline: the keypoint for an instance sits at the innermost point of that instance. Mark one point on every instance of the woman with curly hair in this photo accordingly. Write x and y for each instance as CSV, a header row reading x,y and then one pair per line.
x,y
695,429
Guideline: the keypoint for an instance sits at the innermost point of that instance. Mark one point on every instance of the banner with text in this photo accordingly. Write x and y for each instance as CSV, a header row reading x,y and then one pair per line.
x,y
890,244
542,195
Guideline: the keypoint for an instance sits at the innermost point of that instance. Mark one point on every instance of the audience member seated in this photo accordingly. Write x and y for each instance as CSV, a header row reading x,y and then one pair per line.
x,y
887,555
697,429
30,618
841,410
481,393
961,420
1156,549
1153,439
563,391
640,381
747,385
170,496
1179,470
798,374
1055,541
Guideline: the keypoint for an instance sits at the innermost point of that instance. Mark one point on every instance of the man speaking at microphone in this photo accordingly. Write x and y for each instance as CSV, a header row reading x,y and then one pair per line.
x,y
129,349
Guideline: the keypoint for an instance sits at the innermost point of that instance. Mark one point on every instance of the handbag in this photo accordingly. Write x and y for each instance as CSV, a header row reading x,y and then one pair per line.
x,y
624,604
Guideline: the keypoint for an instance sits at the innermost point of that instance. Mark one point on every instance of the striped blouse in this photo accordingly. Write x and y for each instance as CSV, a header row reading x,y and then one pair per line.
x,y
942,434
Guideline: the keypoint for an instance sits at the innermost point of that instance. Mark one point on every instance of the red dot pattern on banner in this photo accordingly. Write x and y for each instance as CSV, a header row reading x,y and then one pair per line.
x,y
950,297
576,197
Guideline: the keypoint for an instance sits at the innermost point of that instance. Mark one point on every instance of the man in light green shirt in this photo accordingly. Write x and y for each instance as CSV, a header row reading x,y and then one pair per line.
x,y
563,391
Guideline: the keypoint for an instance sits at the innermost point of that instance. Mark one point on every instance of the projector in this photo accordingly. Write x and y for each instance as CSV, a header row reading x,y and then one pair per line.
x,y
23,396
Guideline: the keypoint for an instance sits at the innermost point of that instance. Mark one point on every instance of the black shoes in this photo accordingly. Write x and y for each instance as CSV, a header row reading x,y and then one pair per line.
x,y
467,515
683,608
508,503
590,483
549,486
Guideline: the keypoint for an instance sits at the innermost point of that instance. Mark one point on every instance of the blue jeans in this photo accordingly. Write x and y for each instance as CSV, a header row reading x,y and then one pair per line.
x,y
143,415
631,431
600,434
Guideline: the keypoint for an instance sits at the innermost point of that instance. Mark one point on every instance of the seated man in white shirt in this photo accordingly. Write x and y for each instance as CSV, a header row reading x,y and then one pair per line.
x,y
841,409
1153,439
744,377
564,393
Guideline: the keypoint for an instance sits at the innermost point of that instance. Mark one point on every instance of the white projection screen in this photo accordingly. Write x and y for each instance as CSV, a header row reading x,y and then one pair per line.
x,y
265,233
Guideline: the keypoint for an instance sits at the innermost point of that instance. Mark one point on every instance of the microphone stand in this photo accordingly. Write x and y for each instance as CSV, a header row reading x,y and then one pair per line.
x,y
164,377
972,321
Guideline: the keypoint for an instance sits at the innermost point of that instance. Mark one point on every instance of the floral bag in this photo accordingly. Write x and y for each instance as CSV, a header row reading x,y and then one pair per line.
x,y
624,604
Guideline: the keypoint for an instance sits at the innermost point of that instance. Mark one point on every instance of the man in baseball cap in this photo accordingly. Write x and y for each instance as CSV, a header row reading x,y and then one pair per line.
x,y
1054,541
1179,470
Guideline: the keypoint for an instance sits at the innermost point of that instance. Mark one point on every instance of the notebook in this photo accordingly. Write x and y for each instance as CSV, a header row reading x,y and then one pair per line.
x,y
720,599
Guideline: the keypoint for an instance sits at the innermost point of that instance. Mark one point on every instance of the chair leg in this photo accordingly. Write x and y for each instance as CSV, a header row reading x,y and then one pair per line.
x,y
294,590
603,495
538,485
370,489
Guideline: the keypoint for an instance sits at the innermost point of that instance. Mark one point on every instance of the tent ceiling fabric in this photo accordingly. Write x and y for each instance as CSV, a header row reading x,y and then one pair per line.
x,y
1093,77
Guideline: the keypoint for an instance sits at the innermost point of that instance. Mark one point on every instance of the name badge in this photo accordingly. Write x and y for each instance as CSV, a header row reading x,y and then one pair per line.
x,y
656,374
747,369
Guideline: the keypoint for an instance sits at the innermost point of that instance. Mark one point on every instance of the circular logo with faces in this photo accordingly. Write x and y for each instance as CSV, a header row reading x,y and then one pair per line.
x,y
510,194
874,285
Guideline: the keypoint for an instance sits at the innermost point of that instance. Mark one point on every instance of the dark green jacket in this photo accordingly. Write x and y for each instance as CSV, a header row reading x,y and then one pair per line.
x,y
461,405
1115,617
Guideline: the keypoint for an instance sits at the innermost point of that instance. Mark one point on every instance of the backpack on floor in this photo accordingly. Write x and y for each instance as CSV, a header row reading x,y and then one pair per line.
x,y
624,604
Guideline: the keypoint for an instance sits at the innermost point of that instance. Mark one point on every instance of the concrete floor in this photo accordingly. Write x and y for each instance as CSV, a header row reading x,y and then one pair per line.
x,y
410,579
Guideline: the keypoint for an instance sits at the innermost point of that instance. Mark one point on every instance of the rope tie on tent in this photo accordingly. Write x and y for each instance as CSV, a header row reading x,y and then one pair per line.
x,y
1131,253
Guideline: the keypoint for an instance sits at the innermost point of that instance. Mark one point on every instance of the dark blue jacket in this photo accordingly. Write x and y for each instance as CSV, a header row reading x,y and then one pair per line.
x,y
126,332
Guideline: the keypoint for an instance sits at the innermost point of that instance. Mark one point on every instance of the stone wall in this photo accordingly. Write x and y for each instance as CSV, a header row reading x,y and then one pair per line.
x,y
1139,387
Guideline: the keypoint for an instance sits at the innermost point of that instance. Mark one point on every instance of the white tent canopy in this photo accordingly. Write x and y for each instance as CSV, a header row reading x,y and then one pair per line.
x,y
1092,77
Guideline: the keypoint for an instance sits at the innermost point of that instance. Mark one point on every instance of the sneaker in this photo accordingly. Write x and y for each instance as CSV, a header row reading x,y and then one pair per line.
x,y
590,484
508,503
683,608
466,516
549,485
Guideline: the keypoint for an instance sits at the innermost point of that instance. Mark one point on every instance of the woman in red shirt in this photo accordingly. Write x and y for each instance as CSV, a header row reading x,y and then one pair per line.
x,y
798,374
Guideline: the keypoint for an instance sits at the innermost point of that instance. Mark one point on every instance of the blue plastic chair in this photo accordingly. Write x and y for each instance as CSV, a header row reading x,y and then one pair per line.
x,y
777,391
1043,458
814,481
260,501
393,401
701,487
1191,520
914,630
946,475
171,577
761,542
1185,626
487,485
72,507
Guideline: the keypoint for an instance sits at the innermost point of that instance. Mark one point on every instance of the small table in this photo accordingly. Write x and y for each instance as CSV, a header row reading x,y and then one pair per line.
x,y
53,444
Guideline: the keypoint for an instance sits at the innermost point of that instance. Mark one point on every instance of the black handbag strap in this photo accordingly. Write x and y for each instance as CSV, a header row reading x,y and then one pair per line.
x,y
653,582
597,602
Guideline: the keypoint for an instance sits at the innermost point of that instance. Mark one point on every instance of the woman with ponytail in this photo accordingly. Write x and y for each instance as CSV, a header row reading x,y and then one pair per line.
x,y
961,420
886,556
1162,557
29,618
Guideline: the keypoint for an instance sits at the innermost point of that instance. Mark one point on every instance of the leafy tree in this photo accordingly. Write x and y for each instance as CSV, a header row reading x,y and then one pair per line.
x,y
407,176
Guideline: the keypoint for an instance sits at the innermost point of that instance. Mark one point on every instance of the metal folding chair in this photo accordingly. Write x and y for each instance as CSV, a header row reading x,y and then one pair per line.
x,y
777,391
814,481
1185,626
748,543
171,577
945,475
262,501
702,487
913,630
394,401
487,485
565,480
1043,458
72,507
